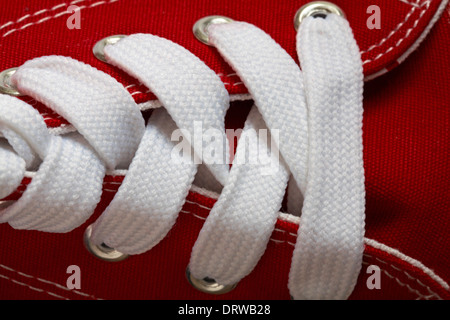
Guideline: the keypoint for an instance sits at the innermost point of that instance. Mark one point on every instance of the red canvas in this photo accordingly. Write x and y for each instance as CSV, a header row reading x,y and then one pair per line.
x,y
405,137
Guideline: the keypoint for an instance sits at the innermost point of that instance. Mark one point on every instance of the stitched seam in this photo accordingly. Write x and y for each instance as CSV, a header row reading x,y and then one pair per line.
x,y
393,31
33,288
198,204
414,4
58,15
432,293
47,282
293,244
407,34
197,216
405,273
103,2
420,295
25,17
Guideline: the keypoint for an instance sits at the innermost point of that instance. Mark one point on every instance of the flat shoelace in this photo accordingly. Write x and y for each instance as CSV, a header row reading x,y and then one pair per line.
x,y
314,118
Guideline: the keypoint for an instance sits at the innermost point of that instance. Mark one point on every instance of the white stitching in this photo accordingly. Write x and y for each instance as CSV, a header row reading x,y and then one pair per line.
x,y
23,18
47,281
393,31
32,288
24,275
434,294
420,295
58,15
290,243
293,244
427,3
198,204
414,4
277,241
408,32
197,216
38,13
405,273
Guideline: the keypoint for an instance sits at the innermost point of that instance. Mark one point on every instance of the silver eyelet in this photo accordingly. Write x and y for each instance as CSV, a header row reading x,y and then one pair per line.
x,y
6,86
200,28
102,251
99,47
208,285
316,9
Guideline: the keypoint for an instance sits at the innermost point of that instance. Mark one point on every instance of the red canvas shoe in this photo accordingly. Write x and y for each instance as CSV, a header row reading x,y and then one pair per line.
x,y
224,150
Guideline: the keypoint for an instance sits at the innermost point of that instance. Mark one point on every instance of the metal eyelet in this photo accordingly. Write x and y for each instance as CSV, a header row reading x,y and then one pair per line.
x,y
99,47
6,86
200,28
317,9
102,251
208,285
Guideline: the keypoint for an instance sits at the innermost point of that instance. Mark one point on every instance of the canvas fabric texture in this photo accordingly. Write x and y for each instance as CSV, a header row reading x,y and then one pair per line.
x,y
405,148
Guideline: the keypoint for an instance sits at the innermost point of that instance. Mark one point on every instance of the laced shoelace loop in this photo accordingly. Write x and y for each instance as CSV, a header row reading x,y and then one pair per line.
x,y
314,117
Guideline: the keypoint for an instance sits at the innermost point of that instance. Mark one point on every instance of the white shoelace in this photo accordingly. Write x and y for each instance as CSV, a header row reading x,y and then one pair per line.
x,y
317,113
